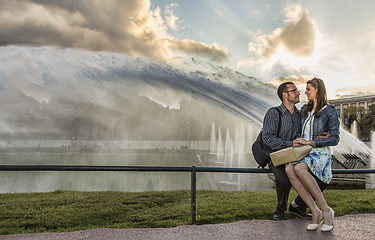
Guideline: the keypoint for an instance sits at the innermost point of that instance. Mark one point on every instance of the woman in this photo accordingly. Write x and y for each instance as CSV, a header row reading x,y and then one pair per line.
x,y
317,118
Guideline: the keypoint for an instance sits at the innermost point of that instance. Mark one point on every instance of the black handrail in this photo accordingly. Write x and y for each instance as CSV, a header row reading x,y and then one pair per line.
x,y
156,169
192,169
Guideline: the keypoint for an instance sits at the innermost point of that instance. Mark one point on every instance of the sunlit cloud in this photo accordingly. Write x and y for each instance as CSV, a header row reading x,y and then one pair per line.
x,y
198,48
130,27
297,80
287,51
299,51
297,37
170,17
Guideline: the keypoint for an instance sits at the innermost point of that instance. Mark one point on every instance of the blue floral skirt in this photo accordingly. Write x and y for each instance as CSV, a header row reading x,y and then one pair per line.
x,y
319,162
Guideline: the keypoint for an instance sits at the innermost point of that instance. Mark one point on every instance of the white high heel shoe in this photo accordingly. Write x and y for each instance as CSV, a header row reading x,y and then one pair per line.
x,y
328,228
314,226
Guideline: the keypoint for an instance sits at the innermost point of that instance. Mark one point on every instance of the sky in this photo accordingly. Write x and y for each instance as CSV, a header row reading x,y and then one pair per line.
x,y
273,41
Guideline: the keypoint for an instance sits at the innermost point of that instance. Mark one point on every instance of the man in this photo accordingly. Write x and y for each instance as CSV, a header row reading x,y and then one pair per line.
x,y
289,130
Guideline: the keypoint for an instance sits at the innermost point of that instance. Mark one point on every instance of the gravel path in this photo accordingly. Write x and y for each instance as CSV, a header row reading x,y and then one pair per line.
x,y
361,226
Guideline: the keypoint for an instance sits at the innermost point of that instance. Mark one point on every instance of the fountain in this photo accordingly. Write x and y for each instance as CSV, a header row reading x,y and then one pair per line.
x,y
235,154
220,150
213,140
85,108
354,129
227,148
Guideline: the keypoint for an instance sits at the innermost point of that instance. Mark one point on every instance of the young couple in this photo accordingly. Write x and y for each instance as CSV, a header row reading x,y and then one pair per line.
x,y
316,124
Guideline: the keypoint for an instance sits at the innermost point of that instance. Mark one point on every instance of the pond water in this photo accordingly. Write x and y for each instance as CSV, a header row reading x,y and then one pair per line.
x,y
47,181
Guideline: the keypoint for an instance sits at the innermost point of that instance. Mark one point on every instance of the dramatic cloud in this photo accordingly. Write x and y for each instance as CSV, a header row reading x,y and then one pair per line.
x,y
354,91
297,80
170,17
193,47
297,37
126,26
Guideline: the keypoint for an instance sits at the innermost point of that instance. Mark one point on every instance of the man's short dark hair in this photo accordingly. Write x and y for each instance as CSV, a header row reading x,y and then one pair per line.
x,y
282,88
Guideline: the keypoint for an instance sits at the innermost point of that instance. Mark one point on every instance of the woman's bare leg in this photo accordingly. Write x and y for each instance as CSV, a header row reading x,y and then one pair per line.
x,y
302,191
303,174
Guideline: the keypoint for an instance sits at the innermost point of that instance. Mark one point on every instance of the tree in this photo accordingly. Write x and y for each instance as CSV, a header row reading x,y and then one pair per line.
x,y
367,122
354,114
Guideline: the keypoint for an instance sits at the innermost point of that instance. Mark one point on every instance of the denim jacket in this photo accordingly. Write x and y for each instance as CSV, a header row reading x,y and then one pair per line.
x,y
327,122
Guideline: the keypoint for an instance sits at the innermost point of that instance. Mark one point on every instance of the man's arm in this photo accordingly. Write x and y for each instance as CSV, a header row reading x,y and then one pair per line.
x,y
270,127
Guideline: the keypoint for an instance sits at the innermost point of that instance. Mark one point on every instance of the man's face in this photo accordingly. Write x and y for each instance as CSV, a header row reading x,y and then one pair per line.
x,y
292,94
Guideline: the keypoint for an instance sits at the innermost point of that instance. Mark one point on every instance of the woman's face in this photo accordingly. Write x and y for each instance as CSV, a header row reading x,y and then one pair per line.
x,y
311,92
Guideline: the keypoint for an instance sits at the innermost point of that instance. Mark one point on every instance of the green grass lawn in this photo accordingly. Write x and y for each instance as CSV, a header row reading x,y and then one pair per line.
x,y
63,211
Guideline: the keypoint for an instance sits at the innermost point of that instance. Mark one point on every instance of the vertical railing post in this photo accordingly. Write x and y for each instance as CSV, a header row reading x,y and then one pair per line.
x,y
193,193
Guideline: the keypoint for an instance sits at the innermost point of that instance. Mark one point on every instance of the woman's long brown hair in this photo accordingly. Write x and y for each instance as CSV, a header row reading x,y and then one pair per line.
x,y
321,96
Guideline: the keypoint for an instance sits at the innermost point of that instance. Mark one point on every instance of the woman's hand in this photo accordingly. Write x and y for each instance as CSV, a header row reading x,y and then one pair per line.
x,y
325,135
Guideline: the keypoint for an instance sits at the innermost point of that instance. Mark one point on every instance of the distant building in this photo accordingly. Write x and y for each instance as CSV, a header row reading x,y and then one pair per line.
x,y
343,103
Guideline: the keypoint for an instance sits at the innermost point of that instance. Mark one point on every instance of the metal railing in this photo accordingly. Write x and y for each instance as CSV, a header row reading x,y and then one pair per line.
x,y
192,169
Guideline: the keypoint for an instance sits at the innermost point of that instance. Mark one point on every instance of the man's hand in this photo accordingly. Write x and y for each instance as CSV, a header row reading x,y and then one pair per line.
x,y
302,141
296,143
325,135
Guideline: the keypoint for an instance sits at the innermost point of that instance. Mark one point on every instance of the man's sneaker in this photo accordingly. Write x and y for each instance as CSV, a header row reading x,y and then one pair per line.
x,y
278,215
298,212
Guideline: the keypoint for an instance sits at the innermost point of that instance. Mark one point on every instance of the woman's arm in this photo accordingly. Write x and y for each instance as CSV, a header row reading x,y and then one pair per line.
x,y
330,139
301,141
334,130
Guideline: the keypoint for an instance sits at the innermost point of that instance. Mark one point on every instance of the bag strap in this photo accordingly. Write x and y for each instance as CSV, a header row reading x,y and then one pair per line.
x,y
279,125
